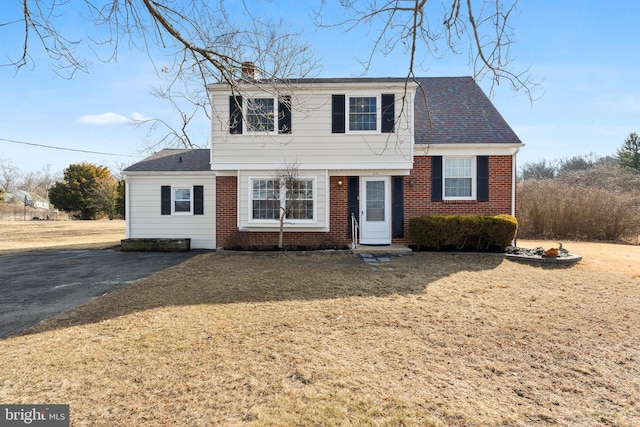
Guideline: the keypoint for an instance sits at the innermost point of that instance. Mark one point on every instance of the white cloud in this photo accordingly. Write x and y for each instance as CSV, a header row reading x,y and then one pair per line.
x,y
139,117
103,119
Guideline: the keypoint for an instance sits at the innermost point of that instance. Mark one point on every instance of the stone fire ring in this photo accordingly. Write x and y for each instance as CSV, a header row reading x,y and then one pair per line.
x,y
538,259
533,256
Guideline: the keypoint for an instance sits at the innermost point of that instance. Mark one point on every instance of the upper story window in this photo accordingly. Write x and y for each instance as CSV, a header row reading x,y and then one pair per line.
x,y
270,197
459,176
268,115
363,113
261,113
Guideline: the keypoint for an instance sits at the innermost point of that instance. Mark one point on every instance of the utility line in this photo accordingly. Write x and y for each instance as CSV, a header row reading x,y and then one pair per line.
x,y
67,149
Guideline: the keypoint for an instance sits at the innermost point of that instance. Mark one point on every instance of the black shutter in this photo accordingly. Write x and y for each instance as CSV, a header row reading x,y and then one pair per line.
x,y
397,206
436,178
165,200
353,205
483,178
235,114
198,200
337,113
284,114
388,112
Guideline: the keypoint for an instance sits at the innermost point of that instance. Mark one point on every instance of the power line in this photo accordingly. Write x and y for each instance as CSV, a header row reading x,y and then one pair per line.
x,y
67,149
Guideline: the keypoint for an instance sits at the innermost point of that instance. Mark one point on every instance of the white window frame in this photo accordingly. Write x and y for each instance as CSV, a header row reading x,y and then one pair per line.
x,y
245,123
174,199
282,200
378,98
473,177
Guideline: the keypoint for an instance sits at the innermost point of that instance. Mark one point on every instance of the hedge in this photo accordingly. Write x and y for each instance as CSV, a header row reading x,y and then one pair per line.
x,y
462,232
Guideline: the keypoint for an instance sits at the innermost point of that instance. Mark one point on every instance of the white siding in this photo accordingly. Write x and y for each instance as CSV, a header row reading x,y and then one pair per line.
x,y
311,142
321,220
143,209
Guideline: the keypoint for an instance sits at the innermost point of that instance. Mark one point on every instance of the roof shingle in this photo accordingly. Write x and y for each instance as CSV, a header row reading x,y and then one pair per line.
x,y
174,160
454,110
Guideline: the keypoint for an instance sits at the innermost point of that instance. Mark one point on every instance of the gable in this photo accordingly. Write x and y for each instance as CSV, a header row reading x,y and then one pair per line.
x,y
454,110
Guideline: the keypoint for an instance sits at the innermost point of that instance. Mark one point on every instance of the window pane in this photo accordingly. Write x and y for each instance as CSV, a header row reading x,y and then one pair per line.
x,y
375,200
458,178
362,113
266,199
183,194
299,201
260,115
457,168
183,206
457,187
266,209
182,199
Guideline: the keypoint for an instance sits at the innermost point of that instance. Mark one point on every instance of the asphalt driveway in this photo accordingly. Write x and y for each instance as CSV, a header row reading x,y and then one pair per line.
x,y
35,286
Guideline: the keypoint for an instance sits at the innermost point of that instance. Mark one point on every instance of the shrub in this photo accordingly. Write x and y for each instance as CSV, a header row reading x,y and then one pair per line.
x,y
579,208
463,232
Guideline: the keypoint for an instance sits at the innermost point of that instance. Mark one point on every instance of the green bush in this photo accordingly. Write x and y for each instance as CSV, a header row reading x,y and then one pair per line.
x,y
463,232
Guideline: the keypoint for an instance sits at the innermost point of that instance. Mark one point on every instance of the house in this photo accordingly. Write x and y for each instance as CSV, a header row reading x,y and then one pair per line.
x,y
375,150
32,199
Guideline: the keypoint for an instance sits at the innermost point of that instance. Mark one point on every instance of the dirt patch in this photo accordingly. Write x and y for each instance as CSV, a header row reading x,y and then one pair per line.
x,y
426,339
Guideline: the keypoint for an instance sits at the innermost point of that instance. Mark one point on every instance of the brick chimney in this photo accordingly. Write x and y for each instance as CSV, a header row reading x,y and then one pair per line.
x,y
250,71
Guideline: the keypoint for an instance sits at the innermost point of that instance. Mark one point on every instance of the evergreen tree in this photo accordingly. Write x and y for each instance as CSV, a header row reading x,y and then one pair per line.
x,y
77,192
629,154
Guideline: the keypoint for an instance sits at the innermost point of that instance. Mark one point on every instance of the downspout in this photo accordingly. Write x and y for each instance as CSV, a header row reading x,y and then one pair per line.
x,y
514,170
513,182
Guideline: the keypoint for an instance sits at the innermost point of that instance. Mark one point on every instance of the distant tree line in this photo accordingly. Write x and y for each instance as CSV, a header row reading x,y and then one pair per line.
x,y
582,197
84,190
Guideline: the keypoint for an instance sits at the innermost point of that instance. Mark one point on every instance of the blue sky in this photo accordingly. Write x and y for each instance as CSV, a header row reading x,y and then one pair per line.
x,y
585,54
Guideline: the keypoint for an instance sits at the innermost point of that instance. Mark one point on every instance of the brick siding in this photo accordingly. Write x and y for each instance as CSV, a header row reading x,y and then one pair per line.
x,y
417,201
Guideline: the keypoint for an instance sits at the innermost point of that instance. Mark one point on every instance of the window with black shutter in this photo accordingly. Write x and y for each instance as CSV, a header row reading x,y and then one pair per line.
x,y
198,200
397,206
235,114
284,114
388,113
165,200
436,178
337,113
483,178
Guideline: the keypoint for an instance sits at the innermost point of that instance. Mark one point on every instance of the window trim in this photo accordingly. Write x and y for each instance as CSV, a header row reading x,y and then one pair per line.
x,y
474,178
245,113
282,199
347,114
175,189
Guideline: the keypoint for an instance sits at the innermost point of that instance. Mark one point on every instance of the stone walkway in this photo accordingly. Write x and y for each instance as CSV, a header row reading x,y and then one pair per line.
x,y
380,260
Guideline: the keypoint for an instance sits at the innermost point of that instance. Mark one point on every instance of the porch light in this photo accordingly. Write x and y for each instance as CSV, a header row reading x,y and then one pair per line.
x,y
340,183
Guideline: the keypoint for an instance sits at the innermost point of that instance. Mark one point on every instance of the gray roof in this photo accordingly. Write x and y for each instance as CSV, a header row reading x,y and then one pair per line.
x,y
174,160
454,110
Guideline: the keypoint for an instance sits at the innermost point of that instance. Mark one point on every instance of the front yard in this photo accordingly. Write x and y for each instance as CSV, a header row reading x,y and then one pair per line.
x,y
325,339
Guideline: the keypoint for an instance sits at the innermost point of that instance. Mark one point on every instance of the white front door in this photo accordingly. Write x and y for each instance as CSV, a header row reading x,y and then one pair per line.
x,y
375,209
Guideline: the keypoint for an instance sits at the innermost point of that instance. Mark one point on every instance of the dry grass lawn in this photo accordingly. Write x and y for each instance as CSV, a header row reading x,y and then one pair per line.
x,y
18,236
325,339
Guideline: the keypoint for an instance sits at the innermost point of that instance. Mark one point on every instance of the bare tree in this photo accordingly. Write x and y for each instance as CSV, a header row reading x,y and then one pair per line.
x,y
190,43
428,29
289,194
105,194
194,42
9,175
